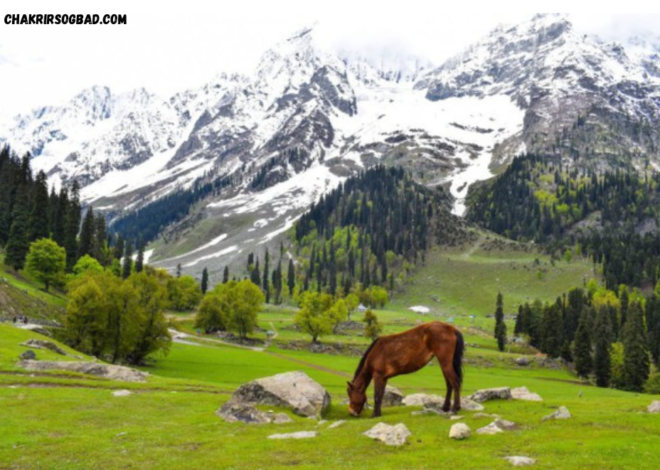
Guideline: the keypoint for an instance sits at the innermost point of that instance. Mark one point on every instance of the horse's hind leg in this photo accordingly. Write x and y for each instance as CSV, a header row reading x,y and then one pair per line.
x,y
453,384
447,404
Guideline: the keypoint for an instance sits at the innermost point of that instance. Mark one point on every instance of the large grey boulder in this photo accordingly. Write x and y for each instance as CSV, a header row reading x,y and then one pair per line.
x,y
420,399
521,393
501,393
108,371
654,407
523,361
460,431
240,412
561,413
393,397
390,435
293,390
43,344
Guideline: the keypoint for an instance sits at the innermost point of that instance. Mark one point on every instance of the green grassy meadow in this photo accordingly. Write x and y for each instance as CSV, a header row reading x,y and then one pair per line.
x,y
60,420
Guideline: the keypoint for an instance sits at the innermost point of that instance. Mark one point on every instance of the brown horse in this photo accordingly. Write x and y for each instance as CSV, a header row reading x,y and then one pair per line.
x,y
404,353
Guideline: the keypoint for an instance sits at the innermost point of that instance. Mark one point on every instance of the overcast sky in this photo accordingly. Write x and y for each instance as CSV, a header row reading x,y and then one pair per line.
x,y
167,48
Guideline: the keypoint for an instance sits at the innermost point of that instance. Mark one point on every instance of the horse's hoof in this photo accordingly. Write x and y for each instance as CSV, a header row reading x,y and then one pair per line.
x,y
445,409
376,415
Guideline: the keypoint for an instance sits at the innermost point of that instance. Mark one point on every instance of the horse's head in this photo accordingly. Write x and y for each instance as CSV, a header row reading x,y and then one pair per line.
x,y
357,400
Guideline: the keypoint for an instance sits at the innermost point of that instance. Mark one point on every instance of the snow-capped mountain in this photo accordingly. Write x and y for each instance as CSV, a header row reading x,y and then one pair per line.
x,y
556,75
310,116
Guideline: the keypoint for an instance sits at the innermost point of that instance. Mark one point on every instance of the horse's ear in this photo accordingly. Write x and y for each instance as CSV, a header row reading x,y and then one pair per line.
x,y
350,385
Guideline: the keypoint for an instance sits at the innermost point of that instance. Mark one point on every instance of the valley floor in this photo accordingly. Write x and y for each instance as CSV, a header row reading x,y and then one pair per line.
x,y
70,421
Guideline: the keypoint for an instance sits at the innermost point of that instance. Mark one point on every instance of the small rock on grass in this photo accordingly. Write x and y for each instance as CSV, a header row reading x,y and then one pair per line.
x,y
460,431
519,461
295,435
390,435
654,407
485,415
336,424
122,393
490,429
561,413
28,355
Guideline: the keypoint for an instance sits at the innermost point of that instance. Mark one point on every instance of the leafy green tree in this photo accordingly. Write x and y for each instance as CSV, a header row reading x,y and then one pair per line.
x,y
184,293
246,301
379,297
46,261
314,316
213,311
87,264
372,327
152,330
582,350
87,313
602,342
125,316
339,313
636,363
352,302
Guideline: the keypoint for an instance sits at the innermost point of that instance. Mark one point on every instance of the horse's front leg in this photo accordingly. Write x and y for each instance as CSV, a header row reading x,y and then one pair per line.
x,y
379,393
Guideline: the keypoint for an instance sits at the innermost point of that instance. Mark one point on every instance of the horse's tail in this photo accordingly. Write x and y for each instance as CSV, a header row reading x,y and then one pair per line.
x,y
458,357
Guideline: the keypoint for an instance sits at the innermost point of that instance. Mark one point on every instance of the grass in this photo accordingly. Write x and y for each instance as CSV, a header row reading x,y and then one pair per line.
x,y
459,283
81,427
69,421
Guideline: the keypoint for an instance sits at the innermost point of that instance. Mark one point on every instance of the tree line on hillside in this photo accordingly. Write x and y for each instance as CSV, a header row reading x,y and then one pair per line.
x,y
371,231
612,336
612,217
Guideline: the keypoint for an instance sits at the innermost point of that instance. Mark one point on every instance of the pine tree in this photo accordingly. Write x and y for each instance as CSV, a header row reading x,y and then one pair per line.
x,y
602,343
127,266
225,275
519,327
205,280
178,270
636,364
59,225
139,262
119,247
39,215
99,246
72,226
266,285
85,245
500,326
18,243
291,277
582,350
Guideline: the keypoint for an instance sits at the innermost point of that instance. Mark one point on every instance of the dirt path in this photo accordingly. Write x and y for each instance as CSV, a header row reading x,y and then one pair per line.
x,y
474,247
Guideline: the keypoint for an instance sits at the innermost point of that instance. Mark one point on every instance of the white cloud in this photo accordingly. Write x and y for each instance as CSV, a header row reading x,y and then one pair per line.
x,y
169,47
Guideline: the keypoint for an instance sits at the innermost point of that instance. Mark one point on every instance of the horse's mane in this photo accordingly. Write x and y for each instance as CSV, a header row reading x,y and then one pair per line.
x,y
364,358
